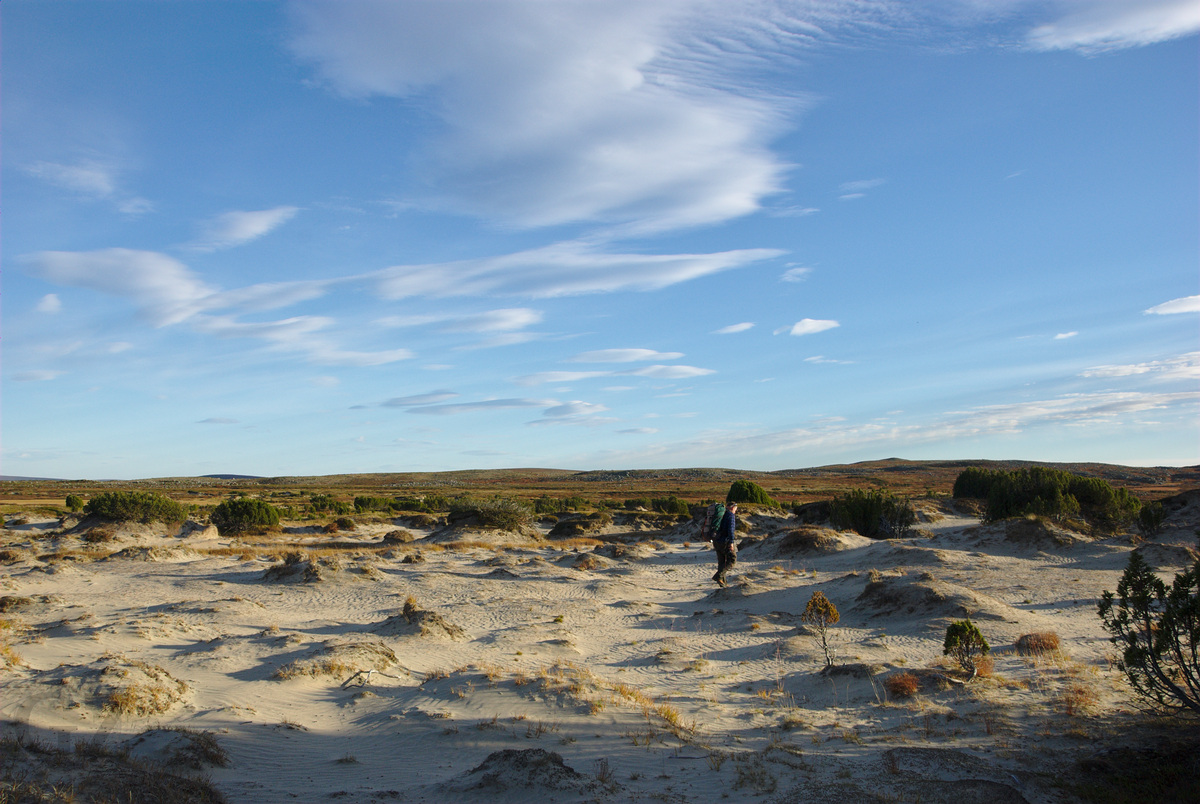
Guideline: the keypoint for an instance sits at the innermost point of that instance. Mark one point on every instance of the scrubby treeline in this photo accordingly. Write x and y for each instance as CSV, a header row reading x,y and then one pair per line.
x,y
1042,491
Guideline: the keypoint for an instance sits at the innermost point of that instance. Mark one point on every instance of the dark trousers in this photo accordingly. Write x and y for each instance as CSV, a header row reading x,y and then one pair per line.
x,y
726,557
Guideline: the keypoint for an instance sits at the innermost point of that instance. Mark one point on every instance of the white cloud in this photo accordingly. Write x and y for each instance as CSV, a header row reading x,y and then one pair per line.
x,y
1062,336
809,326
797,274
164,289
1100,25
734,328
431,398
639,431
238,227
573,409
551,377
91,178
623,356
1187,304
38,375
475,407
562,269
50,303
557,112
670,372
1182,367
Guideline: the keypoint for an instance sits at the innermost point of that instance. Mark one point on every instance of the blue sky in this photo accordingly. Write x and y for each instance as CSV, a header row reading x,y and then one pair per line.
x,y
293,238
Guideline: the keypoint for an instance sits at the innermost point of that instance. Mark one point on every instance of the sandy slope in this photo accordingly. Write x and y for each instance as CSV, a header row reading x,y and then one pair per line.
x,y
616,674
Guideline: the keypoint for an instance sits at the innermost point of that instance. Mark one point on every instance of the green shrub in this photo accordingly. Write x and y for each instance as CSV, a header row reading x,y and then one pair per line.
x,y
1042,491
134,506
236,516
639,502
745,491
874,513
364,505
670,505
74,502
323,503
1151,518
559,505
1157,629
964,642
496,512
820,614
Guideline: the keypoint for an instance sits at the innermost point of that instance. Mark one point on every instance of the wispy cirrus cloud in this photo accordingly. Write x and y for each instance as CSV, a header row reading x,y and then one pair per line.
x,y
623,356
568,112
660,372
808,326
1187,304
733,329
95,179
50,303
238,227
561,269
1182,367
1101,25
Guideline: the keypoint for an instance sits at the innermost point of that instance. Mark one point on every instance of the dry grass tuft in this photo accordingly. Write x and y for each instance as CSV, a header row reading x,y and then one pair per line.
x,y
1037,644
902,685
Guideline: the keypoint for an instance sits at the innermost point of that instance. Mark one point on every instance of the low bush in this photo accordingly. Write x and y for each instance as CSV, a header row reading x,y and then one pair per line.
x,y
74,502
902,685
965,644
1042,491
874,513
1157,629
134,506
503,513
1151,518
670,505
244,514
745,491
1037,644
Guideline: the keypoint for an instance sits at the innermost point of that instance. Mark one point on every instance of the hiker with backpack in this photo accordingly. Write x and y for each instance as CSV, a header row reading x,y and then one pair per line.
x,y
720,526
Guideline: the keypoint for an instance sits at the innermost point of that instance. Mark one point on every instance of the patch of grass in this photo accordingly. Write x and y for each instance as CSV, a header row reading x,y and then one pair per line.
x,y
1037,644
902,685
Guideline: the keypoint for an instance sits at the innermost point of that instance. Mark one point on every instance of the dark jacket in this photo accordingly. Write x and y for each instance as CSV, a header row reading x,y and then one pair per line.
x,y
726,530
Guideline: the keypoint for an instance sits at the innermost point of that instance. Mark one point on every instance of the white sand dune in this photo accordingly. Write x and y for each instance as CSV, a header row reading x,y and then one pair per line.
x,y
515,667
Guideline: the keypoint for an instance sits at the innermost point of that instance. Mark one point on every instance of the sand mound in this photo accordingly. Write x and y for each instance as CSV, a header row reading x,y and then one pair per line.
x,y
903,594
807,540
415,621
115,683
1039,534
195,530
1168,556
577,525
399,536
177,747
298,567
469,531
151,554
529,771
339,659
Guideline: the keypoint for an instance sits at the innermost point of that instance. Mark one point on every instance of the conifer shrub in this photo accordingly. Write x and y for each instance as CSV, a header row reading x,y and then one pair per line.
x,y
74,502
670,505
966,645
1042,491
244,514
1157,629
820,613
503,513
326,503
746,491
134,506
874,513
1151,518
366,504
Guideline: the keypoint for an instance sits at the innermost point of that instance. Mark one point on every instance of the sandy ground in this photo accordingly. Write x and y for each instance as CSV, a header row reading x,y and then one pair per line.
x,y
535,670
